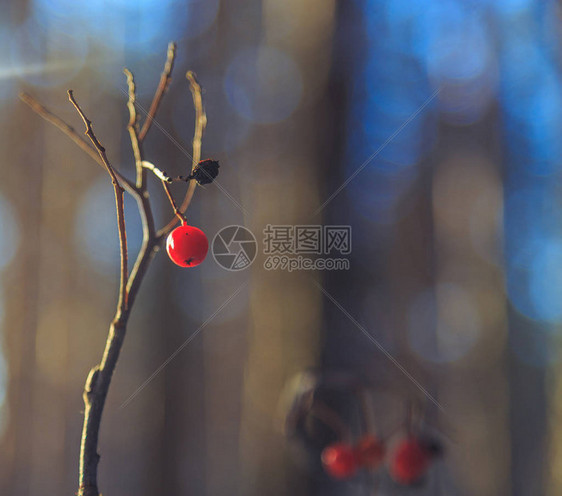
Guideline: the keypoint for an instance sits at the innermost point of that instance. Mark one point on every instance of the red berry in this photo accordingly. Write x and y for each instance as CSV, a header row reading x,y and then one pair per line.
x,y
411,461
339,461
370,451
187,246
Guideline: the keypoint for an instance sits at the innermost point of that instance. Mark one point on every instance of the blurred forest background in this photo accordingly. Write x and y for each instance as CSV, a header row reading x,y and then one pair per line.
x,y
447,115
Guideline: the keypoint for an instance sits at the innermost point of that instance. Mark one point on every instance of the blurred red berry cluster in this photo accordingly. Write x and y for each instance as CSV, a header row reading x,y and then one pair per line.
x,y
406,453
407,464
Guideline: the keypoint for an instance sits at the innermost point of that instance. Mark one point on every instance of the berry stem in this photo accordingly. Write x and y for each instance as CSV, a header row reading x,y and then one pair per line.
x,y
160,174
177,212
330,418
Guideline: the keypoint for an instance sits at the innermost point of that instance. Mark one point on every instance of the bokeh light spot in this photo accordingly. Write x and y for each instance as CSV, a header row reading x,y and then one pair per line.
x,y
378,195
96,227
510,7
46,57
444,323
460,60
140,27
263,84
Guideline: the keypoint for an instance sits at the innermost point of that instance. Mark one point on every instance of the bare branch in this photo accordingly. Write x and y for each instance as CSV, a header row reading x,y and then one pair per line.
x,y
165,78
67,129
122,304
200,124
99,379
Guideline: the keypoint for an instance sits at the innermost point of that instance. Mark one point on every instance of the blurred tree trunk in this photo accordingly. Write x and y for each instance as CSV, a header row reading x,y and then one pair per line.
x,y
284,331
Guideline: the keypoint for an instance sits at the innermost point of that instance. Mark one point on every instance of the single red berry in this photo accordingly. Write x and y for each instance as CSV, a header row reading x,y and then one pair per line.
x,y
411,460
339,461
187,246
370,451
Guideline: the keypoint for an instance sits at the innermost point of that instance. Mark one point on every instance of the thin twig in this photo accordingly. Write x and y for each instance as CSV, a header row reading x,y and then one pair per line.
x,y
122,304
162,87
67,129
133,128
200,124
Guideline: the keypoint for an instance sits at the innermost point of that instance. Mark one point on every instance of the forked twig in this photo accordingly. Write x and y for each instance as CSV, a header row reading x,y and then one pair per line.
x,y
67,129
